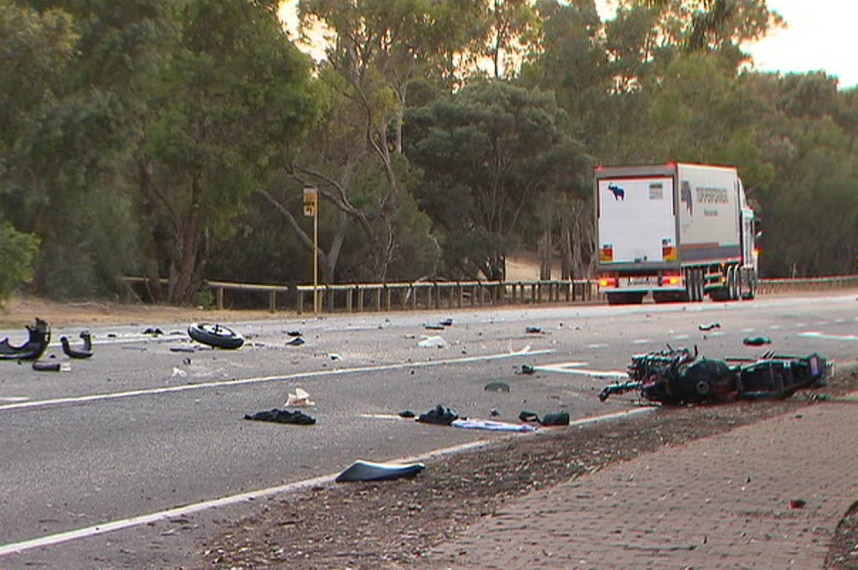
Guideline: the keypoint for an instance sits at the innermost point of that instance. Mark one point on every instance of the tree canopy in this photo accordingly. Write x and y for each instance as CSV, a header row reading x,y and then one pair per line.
x,y
175,139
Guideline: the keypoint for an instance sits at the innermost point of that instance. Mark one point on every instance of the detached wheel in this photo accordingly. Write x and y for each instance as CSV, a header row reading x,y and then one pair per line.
x,y
215,335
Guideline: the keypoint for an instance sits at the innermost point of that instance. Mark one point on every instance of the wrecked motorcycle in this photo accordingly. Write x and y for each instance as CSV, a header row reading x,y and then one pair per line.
x,y
678,376
38,340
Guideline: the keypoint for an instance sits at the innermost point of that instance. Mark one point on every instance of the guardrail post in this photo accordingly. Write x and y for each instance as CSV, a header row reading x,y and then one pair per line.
x,y
219,298
272,301
359,293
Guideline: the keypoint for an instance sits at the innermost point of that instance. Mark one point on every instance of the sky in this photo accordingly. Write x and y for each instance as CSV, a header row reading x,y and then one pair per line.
x,y
820,35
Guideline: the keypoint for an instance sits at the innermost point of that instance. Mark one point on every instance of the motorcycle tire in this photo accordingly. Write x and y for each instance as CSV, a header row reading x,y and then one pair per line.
x,y
215,335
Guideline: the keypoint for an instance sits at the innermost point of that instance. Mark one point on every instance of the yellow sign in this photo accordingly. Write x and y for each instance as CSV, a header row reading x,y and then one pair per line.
x,y
311,201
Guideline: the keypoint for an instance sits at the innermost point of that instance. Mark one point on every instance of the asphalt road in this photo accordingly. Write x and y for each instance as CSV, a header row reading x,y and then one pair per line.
x,y
145,427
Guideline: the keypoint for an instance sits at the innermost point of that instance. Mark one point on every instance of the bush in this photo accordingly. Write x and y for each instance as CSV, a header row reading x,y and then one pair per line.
x,y
17,254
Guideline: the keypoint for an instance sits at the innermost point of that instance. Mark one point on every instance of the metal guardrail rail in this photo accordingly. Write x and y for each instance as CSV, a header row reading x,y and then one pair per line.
x,y
359,297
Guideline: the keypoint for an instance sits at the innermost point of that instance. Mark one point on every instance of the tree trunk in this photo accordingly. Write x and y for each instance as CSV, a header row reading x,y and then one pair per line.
x,y
186,249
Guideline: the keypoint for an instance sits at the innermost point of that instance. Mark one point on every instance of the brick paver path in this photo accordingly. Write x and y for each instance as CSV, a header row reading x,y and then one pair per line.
x,y
719,502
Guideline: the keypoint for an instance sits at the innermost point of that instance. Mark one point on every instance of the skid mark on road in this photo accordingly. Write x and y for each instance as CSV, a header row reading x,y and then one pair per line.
x,y
260,380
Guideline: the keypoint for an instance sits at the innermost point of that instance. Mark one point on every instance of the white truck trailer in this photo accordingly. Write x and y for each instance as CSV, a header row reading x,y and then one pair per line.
x,y
678,231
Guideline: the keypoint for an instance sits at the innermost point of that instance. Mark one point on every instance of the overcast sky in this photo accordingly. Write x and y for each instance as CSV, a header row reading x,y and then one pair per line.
x,y
821,35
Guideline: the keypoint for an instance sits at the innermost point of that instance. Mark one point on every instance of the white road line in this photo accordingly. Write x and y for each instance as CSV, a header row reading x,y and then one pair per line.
x,y
642,341
14,399
259,380
823,336
18,547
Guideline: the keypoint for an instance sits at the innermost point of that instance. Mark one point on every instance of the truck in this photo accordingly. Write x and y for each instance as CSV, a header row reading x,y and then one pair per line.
x,y
677,231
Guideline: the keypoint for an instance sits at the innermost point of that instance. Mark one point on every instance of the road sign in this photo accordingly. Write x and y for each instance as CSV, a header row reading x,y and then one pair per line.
x,y
311,201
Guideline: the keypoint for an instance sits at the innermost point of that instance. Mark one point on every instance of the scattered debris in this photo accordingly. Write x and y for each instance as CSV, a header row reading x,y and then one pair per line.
x,y
527,369
334,356
294,333
555,419
432,342
182,349
550,420
85,352
407,414
446,323
756,341
216,335
39,336
434,327
677,376
299,398
497,387
494,412
709,327
362,470
534,330
439,415
47,366
491,425
282,417
154,331
797,504
179,372
297,341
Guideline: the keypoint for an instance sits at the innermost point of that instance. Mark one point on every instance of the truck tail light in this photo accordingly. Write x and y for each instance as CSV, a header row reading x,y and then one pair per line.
x,y
608,282
607,254
671,280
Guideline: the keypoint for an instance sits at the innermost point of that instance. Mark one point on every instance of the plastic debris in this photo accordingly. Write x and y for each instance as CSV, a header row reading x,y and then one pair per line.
x,y
299,398
497,387
84,352
432,342
362,470
297,341
39,336
709,327
492,425
534,330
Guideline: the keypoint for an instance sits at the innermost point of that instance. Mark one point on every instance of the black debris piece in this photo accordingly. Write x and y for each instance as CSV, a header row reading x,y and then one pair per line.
x,y
407,414
533,330
709,327
756,341
446,322
528,416
439,415
557,419
362,470
433,327
282,417
294,333
47,366
527,369
297,341
494,412
182,349
154,331
39,336
84,352
497,387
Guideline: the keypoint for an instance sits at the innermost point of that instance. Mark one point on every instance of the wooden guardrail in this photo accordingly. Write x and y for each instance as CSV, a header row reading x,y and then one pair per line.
x,y
358,297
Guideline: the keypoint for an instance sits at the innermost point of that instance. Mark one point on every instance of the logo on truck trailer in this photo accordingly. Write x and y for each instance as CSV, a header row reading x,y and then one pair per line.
x,y
685,196
618,191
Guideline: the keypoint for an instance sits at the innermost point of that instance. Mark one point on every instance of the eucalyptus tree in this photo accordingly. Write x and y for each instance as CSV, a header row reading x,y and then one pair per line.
x,y
491,153
231,100
375,50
